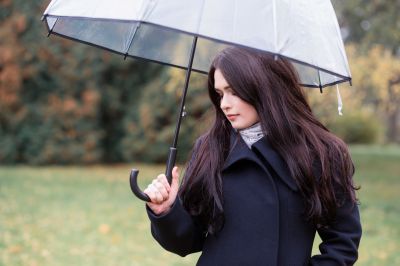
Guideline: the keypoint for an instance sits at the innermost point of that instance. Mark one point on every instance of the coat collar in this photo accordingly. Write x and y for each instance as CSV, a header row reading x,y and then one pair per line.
x,y
261,151
239,151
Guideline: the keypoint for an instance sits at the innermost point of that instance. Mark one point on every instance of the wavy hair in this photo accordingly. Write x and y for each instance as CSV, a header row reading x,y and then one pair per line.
x,y
318,161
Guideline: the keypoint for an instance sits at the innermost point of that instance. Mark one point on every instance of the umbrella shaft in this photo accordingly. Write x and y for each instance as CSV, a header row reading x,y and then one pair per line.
x,y
188,71
173,150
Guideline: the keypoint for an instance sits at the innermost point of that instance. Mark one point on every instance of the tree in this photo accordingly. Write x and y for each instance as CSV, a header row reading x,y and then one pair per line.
x,y
370,22
150,129
60,101
378,74
374,26
11,79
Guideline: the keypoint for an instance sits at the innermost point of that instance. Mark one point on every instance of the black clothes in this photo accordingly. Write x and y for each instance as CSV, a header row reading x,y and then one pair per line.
x,y
264,224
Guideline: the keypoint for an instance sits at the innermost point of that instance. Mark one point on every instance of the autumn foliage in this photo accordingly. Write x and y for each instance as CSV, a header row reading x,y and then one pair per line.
x,y
62,102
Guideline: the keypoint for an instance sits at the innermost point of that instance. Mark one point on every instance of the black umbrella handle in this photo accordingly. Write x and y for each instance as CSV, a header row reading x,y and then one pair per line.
x,y
135,188
172,150
168,172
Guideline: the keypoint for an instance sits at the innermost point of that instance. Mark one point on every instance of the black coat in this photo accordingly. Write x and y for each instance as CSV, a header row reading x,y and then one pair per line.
x,y
264,223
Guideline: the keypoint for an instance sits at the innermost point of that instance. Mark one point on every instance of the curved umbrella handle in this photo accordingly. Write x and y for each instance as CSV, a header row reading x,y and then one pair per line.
x,y
135,188
168,172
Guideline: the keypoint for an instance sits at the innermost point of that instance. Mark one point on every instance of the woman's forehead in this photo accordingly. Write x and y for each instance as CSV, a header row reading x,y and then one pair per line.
x,y
219,80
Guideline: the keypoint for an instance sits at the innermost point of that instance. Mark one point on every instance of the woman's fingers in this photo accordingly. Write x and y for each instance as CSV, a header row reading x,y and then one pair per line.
x,y
161,189
158,190
149,191
164,181
175,179
161,193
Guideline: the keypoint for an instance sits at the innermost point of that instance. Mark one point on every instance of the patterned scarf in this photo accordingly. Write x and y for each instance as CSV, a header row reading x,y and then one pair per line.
x,y
252,134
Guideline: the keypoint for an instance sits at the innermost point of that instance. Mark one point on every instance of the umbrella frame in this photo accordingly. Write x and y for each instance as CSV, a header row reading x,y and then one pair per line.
x,y
276,55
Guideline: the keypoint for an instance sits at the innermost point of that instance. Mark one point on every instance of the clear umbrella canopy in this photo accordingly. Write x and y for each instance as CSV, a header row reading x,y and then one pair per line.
x,y
189,33
304,31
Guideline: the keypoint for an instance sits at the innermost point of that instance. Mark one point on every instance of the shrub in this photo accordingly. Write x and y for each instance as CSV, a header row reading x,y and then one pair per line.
x,y
356,127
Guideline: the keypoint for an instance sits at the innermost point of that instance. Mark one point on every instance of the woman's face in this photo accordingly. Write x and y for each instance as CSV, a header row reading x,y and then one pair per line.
x,y
240,114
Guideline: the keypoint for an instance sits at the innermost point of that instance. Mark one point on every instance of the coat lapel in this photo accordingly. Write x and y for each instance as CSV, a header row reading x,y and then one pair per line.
x,y
275,161
239,151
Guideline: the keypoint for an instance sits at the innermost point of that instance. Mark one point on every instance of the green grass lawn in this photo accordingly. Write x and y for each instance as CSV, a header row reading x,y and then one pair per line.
x,y
88,216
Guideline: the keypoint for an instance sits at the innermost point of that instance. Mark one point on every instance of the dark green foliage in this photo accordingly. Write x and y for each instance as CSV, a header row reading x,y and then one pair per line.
x,y
120,95
151,125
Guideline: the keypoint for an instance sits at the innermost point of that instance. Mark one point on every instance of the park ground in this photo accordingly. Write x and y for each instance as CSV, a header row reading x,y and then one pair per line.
x,y
86,215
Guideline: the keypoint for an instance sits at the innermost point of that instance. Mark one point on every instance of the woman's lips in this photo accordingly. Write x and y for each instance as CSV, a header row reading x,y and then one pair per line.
x,y
231,117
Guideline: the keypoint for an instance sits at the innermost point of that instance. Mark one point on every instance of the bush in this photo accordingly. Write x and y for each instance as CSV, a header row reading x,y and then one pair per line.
x,y
357,127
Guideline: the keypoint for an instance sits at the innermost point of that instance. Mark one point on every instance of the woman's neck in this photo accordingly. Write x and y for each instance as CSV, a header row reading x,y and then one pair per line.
x,y
252,134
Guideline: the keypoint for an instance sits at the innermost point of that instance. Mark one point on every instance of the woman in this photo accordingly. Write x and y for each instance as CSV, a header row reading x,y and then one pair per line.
x,y
263,180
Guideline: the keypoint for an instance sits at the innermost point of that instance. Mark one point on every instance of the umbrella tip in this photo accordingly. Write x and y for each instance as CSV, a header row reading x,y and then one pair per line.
x,y
320,88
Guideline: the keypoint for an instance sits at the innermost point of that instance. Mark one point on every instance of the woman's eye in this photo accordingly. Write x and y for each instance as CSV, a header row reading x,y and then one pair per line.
x,y
230,91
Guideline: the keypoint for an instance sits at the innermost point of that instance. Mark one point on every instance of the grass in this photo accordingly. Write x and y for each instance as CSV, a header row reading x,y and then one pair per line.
x,y
88,216
378,174
76,216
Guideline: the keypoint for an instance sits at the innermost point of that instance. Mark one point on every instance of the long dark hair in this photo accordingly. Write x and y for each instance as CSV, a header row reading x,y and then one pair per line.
x,y
272,86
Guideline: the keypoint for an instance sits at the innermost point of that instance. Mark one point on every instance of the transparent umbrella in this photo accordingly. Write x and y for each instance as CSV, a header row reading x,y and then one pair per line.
x,y
188,34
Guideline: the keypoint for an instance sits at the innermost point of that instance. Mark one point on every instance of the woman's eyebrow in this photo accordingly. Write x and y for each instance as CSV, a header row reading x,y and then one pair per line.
x,y
224,88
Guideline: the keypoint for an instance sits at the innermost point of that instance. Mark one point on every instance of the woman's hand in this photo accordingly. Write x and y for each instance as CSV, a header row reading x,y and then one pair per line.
x,y
162,194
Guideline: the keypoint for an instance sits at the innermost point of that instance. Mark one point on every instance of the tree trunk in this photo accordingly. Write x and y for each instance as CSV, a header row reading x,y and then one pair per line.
x,y
393,122
393,112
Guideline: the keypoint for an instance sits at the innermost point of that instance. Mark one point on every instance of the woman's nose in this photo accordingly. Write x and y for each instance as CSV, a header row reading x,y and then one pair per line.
x,y
225,103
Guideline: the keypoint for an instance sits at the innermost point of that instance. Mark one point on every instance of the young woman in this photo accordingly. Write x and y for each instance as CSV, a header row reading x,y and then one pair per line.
x,y
263,180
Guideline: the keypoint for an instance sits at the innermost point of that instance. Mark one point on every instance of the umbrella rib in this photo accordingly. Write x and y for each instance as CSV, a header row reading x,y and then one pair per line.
x,y
319,80
200,20
51,30
131,40
275,28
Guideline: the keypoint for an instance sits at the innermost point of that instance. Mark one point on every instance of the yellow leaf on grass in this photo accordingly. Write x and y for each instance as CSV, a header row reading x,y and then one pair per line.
x,y
104,229
14,249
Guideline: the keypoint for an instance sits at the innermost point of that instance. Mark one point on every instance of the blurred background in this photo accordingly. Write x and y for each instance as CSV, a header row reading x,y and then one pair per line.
x,y
74,119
